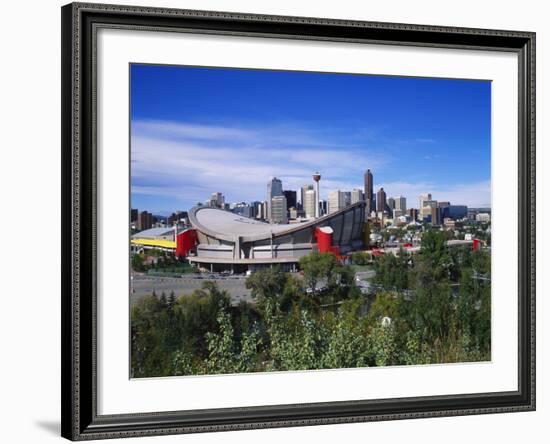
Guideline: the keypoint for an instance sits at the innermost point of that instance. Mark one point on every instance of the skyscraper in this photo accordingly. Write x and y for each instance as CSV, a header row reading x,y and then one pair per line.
x,y
443,210
401,203
356,195
145,221
381,200
369,191
279,214
274,188
310,200
303,192
336,201
347,198
216,200
391,204
430,211
422,198
290,198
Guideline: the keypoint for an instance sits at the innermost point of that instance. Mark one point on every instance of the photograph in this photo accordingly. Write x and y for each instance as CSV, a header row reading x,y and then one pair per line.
x,y
297,221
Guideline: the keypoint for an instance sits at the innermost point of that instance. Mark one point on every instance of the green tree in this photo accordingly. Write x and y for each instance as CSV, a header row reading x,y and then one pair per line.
x,y
318,266
267,284
137,263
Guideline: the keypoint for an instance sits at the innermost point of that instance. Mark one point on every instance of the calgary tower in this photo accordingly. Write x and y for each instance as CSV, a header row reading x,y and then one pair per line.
x,y
317,178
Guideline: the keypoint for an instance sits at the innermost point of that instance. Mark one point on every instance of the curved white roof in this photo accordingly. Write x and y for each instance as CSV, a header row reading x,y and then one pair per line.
x,y
227,225
226,222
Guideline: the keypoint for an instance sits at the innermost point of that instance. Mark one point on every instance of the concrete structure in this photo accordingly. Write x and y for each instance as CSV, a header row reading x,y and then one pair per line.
x,y
227,241
316,179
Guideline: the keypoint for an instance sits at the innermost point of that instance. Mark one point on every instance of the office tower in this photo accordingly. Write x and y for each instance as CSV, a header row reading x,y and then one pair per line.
x,y
145,221
217,200
401,203
242,209
303,192
290,198
483,217
133,215
369,191
397,213
435,216
381,201
444,208
336,201
458,211
429,211
346,196
422,198
259,210
356,195
176,217
309,203
274,188
413,213
278,210
323,205
391,204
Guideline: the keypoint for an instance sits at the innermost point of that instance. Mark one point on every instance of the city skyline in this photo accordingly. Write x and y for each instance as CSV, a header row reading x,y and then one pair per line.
x,y
184,148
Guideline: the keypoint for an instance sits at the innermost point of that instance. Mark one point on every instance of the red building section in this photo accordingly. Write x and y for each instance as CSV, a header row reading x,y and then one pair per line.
x,y
185,242
324,241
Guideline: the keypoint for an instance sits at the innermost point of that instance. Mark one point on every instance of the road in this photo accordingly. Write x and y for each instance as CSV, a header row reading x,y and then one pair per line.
x,y
143,285
364,275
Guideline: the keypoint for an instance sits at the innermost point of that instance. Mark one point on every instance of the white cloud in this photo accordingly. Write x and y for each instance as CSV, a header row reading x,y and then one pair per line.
x,y
188,162
179,160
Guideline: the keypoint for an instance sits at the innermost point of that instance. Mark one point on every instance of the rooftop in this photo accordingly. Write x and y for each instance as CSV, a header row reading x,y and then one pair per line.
x,y
226,225
226,222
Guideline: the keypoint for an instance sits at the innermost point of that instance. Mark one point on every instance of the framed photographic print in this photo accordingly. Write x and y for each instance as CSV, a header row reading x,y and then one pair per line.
x,y
279,221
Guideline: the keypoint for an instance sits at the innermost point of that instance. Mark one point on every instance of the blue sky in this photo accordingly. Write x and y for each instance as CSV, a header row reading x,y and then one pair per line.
x,y
196,130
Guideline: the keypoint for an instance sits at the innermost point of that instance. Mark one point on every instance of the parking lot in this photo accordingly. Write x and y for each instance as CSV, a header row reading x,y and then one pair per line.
x,y
142,285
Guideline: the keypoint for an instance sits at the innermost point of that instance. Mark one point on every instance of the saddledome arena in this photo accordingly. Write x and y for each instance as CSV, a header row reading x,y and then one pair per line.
x,y
227,241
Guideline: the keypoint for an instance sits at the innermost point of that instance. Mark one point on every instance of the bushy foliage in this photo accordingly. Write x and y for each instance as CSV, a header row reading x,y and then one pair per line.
x,y
430,308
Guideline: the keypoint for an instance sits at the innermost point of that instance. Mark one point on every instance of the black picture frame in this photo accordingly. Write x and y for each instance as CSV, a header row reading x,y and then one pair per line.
x,y
80,420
